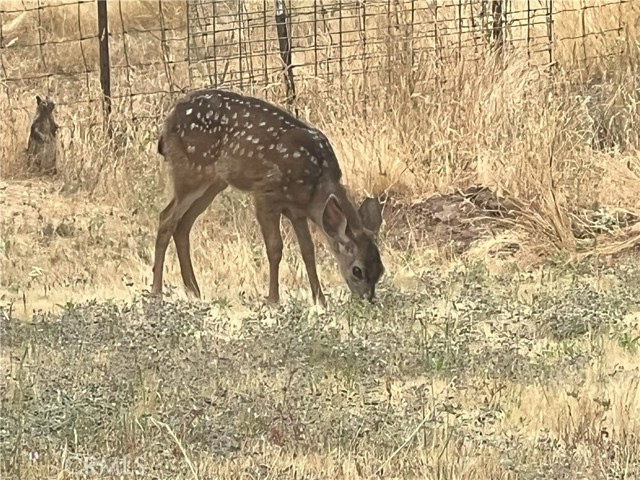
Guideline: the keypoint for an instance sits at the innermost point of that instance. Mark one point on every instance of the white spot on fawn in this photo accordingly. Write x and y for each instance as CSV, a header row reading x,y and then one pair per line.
x,y
189,110
296,154
191,149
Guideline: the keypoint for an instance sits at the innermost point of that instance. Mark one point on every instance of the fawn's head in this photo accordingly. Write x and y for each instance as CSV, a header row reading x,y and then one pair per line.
x,y
354,245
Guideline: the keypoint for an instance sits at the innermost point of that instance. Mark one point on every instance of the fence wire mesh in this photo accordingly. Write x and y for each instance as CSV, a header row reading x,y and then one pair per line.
x,y
159,47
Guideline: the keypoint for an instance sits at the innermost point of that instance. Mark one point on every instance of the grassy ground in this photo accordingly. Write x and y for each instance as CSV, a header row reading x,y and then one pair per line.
x,y
505,342
469,375
481,360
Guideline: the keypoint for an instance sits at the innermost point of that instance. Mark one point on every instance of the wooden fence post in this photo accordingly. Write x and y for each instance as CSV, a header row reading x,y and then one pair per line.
x,y
285,52
105,68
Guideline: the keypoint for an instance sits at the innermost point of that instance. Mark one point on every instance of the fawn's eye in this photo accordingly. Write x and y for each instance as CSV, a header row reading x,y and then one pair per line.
x,y
357,273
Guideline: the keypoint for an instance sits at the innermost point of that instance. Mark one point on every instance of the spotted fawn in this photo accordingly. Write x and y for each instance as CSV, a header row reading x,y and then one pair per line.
x,y
213,138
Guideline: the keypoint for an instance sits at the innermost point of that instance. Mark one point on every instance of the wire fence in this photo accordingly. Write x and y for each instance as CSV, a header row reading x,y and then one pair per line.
x,y
139,54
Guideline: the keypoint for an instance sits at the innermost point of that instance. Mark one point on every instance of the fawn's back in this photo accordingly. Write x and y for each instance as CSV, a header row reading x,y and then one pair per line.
x,y
250,144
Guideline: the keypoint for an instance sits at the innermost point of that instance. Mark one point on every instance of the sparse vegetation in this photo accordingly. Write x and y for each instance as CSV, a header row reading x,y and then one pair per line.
x,y
505,341
470,376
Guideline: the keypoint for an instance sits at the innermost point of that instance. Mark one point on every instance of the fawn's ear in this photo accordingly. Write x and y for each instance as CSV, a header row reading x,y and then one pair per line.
x,y
334,222
371,214
38,99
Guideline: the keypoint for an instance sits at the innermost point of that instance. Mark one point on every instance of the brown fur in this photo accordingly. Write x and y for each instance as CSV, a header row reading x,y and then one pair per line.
x,y
41,146
212,139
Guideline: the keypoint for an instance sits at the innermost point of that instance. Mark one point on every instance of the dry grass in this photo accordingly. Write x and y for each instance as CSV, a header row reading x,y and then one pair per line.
x,y
493,126
515,375
514,370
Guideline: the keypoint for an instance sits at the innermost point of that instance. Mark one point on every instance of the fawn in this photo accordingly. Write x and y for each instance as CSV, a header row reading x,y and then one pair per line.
x,y
41,147
215,138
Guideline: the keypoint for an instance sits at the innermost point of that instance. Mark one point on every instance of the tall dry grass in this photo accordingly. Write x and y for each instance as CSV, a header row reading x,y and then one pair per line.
x,y
558,142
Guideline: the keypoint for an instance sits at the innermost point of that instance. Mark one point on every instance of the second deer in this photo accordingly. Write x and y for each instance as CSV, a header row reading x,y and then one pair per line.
x,y
214,138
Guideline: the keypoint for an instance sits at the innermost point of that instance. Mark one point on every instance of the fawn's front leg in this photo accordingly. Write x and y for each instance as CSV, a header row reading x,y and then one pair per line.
x,y
269,220
305,241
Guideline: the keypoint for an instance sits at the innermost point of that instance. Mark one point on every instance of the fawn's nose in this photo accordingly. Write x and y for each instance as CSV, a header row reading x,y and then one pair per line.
x,y
372,295
366,295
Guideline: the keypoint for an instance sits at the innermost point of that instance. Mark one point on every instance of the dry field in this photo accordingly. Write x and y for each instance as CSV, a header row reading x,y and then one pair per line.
x,y
505,340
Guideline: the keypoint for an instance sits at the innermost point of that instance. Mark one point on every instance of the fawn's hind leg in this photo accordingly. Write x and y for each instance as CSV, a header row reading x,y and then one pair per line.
x,y
183,198
183,229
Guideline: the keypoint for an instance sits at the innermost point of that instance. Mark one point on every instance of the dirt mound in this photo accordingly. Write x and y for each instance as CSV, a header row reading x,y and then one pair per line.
x,y
460,218
456,219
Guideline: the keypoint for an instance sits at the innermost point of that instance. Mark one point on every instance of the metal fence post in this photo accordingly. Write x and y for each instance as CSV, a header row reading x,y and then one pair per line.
x,y
105,68
285,52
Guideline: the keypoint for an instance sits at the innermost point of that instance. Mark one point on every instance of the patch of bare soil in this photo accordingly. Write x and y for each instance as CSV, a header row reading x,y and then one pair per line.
x,y
41,202
463,217
456,219
55,246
